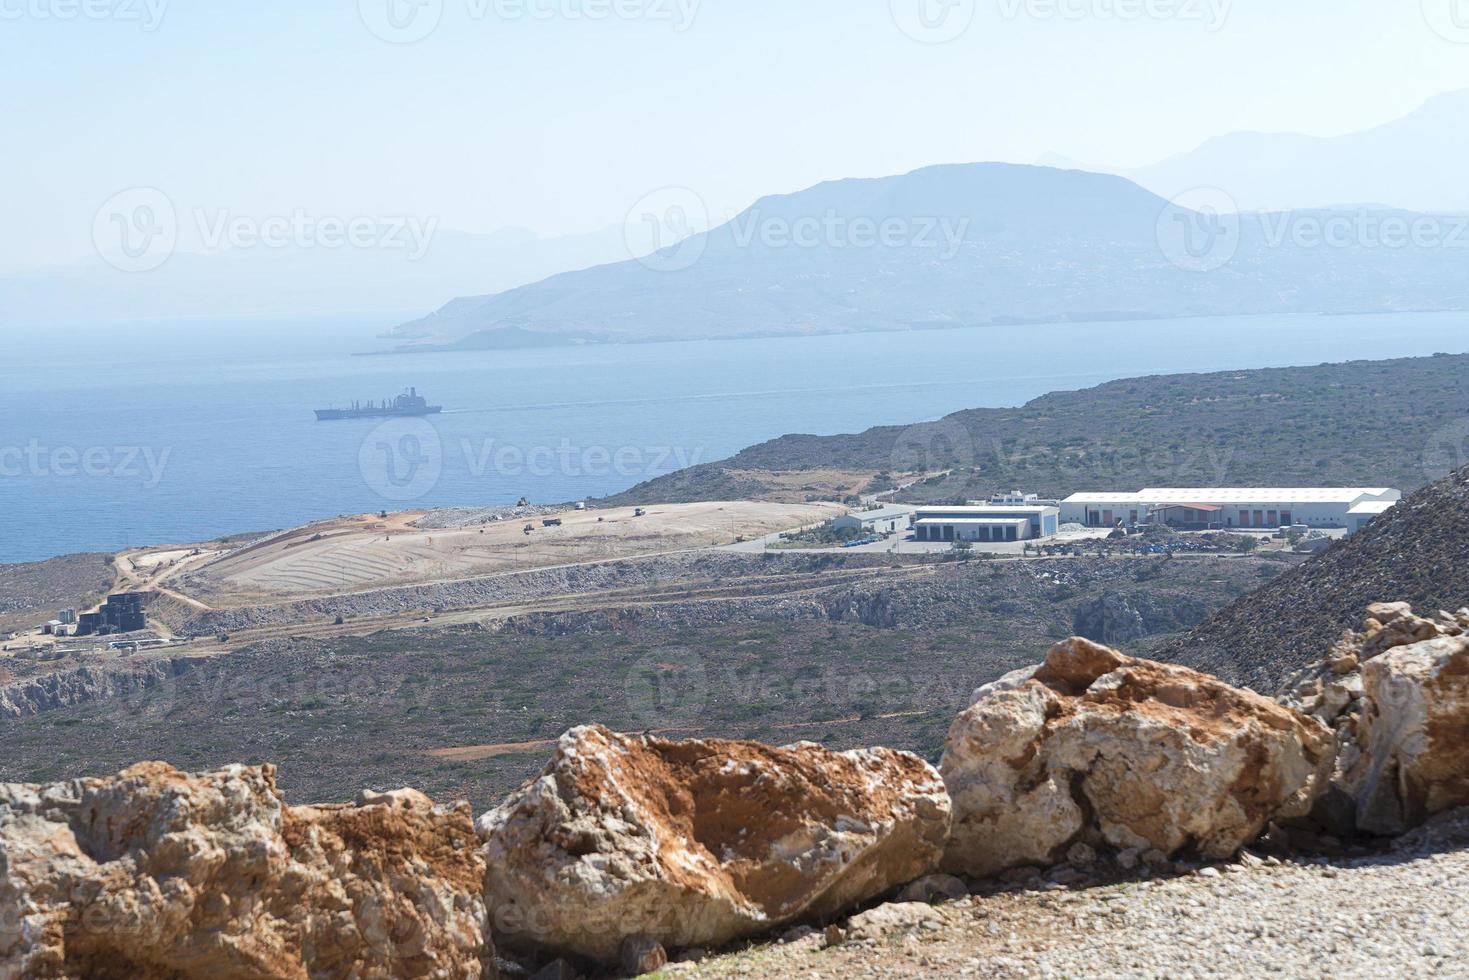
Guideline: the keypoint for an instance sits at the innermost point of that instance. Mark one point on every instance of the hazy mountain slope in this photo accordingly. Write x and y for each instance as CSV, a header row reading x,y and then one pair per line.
x,y
1418,552
961,246
1415,163
254,281
1380,423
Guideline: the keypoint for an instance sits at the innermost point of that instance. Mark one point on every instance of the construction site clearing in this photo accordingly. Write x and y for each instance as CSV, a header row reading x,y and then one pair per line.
x,y
357,575
381,551
368,552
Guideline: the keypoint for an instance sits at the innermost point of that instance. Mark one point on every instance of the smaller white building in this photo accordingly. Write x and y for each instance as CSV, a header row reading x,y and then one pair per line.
x,y
1364,511
886,520
986,522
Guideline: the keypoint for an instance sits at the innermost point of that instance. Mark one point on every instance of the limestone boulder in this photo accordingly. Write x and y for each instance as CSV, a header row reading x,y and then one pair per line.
x,y
157,874
699,843
1412,734
1102,749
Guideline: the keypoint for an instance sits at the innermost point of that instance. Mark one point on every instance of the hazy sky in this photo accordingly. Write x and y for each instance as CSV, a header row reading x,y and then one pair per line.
x,y
559,115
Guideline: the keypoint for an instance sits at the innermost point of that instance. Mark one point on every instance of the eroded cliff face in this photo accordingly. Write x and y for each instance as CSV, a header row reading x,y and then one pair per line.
x,y
157,874
79,685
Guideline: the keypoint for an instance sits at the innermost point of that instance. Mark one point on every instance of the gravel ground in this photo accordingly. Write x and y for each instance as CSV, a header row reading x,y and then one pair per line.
x,y
1398,914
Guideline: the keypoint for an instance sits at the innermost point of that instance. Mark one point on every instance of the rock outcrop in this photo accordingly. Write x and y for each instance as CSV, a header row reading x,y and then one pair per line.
x,y
1414,735
158,874
1397,695
1098,748
140,680
698,843
1115,617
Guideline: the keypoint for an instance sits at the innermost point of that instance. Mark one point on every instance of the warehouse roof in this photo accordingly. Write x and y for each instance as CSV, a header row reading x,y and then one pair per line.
x,y
969,521
1238,495
978,509
884,514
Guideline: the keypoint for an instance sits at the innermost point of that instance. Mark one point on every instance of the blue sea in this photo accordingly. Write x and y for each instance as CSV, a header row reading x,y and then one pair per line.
x,y
124,435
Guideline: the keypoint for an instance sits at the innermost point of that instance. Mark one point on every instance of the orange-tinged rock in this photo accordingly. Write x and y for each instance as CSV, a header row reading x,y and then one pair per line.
x,y
157,874
699,843
1098,748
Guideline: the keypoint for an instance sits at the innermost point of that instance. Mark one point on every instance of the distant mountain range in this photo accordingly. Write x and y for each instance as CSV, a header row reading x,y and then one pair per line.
x,y
973,245
300,280
1415,163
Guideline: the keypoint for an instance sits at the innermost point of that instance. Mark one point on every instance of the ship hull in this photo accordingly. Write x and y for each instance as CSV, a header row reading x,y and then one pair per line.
x,y
336,414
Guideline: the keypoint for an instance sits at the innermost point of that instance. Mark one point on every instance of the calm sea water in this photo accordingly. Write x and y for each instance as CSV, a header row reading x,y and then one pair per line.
x,y
120,436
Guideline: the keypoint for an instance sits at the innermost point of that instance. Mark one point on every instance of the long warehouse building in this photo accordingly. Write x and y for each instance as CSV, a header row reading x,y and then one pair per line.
x,y
1232,507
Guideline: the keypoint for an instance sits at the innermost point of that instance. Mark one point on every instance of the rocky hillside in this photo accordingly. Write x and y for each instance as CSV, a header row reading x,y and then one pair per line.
x,y
1418,553
1088,778
1399,423
33,592
847,657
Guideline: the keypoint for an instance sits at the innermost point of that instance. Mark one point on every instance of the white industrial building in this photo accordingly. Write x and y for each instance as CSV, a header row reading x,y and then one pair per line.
x,y
986,522
1232,507
886,520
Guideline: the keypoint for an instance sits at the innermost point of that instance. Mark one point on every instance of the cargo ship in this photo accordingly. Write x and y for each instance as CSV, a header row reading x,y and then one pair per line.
x,y
410,403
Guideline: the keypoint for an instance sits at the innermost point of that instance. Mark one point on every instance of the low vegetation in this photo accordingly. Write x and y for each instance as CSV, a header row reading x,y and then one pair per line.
x,y
466,712
1400,423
